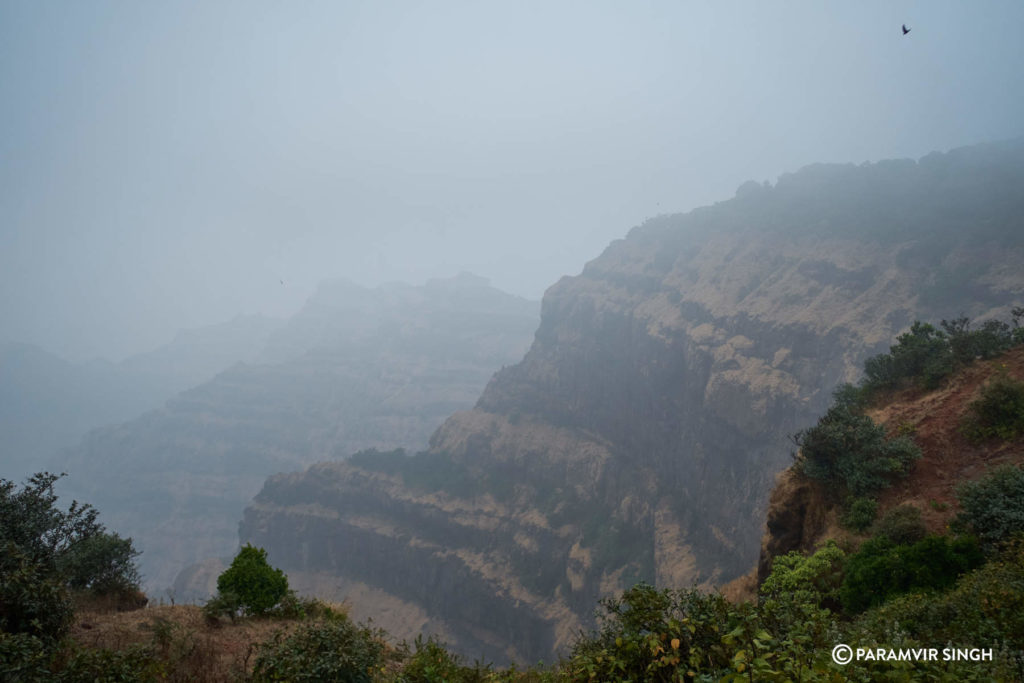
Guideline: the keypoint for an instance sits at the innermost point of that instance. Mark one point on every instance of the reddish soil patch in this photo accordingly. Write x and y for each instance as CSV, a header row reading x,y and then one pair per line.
x,y
933,420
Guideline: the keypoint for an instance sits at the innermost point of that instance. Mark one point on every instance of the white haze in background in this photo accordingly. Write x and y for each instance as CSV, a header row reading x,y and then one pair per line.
x,y
167,165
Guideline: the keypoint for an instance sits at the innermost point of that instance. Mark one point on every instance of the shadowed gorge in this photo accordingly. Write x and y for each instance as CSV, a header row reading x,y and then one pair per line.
x,y
355,368
640,435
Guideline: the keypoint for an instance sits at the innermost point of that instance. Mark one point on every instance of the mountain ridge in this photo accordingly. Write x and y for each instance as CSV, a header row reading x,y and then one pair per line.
x,y
640,436
356,368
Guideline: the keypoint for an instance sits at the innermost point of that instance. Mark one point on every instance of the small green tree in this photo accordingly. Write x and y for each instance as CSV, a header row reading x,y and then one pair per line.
x,y
250,584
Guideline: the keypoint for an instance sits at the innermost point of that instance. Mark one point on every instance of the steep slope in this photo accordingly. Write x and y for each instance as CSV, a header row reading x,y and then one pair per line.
x,y
801,516
357,368
640,436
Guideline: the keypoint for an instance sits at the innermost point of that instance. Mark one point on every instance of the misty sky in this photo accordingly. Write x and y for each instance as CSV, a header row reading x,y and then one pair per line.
x,y
166,165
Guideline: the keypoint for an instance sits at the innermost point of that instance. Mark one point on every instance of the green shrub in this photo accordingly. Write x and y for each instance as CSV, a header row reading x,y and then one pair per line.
x,y
998,413
992,508
292,606
985,607
924,356
812,578
797,598
85,665
23,657
902,525
222,604
848,450
652,635
336,650
967,345
860,513
250,584
44,550
33,599
921,356
882,569
103,563
431,662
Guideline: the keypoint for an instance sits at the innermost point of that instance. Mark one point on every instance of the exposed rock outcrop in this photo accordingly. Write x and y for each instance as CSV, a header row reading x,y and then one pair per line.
x,y
356,368
641,435
799,516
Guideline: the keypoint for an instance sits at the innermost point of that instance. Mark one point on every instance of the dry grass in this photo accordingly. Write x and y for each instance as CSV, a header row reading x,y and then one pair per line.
x,y
191,647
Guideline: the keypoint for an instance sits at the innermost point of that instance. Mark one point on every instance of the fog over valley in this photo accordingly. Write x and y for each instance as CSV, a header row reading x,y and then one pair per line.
x,y
651,340
167,168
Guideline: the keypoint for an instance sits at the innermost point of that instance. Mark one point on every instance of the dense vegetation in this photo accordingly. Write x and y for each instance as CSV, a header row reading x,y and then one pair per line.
x,y
924,356
48,557
855,458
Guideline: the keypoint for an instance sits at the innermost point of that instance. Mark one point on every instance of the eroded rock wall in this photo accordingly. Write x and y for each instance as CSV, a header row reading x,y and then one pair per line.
x,y
640,436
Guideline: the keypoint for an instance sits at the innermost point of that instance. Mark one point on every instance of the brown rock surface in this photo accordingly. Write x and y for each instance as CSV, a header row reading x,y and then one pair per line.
x,y
641,435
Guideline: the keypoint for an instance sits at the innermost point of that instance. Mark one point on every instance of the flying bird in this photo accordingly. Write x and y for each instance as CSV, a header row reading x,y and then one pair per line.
x,y
905,29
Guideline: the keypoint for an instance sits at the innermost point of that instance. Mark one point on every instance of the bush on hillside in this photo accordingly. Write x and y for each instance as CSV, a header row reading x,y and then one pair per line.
x,y
34,600
103,563
76,664
335,650
924,355
902,525
921,355
985,606
648,634
811,578
998,413
848,450
801,590
968,345
45,550
882,569
23,657
992,508
860,513
431,662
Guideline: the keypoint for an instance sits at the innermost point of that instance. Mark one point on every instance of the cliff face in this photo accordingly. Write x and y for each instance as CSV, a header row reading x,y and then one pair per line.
x,y
356,368
641,434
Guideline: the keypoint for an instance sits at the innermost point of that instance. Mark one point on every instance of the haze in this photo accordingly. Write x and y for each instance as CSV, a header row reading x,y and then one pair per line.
x,y
172,165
